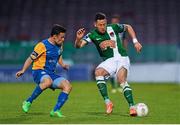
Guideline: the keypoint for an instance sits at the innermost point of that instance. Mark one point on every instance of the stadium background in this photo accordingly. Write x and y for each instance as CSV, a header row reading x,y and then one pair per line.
x,y
24,22
157,23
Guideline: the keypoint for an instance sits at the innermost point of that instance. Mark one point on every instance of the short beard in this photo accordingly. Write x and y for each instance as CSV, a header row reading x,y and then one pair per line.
x,y
59,45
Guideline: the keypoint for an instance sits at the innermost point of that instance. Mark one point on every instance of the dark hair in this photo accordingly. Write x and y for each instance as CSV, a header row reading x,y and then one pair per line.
x,y
115,16
56,29
100,16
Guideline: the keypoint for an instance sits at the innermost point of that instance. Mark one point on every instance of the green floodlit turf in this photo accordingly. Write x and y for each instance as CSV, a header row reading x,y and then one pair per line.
x,y
85,105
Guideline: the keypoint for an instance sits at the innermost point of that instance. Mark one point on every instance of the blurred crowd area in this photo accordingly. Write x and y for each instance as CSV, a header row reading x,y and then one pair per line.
x,y
154,20
24,22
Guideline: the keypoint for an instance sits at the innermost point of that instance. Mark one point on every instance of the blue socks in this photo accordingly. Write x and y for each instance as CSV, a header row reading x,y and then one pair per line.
x,y
61,100
37,91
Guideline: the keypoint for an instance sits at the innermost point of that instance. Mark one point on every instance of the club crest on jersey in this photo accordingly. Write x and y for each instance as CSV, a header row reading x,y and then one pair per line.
x,y
111,34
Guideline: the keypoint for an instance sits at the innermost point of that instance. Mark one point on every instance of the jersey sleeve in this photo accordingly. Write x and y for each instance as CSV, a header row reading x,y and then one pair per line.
x,y
38,50
124,35
87,38
120,27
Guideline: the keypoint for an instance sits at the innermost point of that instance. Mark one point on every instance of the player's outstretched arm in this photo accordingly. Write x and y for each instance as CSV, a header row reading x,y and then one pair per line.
x,y
132,34
25,67
79,42
64,66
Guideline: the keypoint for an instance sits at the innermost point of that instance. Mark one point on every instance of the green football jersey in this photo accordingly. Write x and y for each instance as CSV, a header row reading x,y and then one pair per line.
x,y
112,33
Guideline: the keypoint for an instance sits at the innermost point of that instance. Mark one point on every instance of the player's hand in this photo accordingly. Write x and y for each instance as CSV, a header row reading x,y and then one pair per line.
x,y
19,73
107,43
80,33
138,47
65,66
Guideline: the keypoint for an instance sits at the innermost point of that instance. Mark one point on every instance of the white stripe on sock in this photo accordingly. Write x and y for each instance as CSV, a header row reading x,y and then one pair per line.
x,y
101,82
127,89
123,85
99,78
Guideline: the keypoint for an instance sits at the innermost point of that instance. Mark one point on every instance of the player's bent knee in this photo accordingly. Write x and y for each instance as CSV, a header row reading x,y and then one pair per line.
x,y
99,72
47,82
121,80
44,85
66,86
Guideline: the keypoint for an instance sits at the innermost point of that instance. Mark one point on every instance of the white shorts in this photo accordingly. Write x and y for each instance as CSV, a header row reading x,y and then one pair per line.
x,y
112,65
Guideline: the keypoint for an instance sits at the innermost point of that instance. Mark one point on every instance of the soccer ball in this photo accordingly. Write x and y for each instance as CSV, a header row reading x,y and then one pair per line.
x,y
142,109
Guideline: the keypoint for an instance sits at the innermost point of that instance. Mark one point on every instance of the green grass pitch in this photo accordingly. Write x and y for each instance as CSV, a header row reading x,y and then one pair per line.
x,y
85,105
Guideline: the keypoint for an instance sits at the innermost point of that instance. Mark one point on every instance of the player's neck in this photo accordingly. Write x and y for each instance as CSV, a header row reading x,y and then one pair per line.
x,y
100,32
51,41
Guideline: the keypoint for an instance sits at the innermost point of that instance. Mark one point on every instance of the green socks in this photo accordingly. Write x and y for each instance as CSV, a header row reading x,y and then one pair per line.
x,y
102,88
127,93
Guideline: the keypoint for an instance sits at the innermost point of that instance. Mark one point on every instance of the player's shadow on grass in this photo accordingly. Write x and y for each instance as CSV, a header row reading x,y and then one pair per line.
x,y
36,113
103,114
21,118
14,120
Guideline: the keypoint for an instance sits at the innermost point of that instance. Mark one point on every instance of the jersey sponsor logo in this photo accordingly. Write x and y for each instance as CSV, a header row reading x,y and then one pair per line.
x,y
43,72
107,43
52,61
98,39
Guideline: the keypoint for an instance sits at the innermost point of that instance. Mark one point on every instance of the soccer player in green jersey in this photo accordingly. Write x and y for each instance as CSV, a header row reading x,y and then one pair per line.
x,y
116,61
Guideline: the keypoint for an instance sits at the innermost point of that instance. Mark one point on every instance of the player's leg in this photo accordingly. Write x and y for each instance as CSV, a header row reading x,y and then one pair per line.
x,y
122,79
113,85
101,71
65,86
101,84
46,83
119,88
43,81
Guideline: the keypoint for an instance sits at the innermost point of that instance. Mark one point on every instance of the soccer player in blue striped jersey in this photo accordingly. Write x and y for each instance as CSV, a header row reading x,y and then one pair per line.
x,y
45,56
